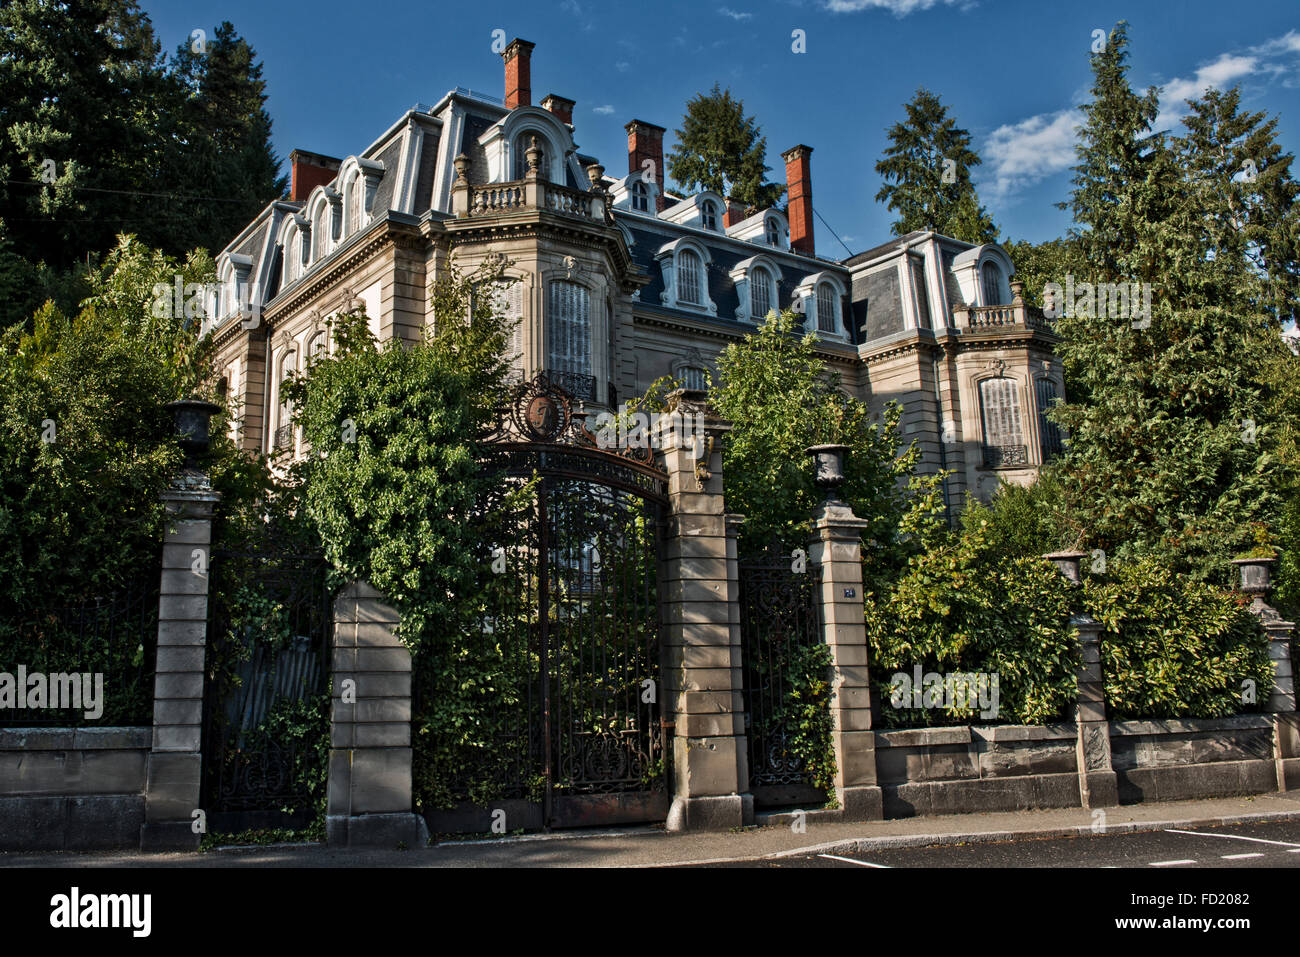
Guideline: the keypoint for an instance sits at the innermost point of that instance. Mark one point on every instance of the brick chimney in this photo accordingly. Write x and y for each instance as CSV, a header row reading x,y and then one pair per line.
x,y
561,107
519,79
799,209
309,170
645,141
734,214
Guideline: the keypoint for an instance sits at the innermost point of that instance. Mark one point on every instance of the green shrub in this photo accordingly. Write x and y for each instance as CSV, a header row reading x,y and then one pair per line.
x,y
1173,647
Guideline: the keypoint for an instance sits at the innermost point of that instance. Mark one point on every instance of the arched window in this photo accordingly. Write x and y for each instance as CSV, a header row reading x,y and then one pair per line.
x,y
693,377
1049,434
709,214
992,280
292,254
760,293
352,200
319,347
524,142
773,233
640,197
688,277
827,309
1000,419
320,235
569,321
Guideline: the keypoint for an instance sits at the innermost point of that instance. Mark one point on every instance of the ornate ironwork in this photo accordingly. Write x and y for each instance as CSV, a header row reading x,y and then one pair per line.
x,y
998,456
779,614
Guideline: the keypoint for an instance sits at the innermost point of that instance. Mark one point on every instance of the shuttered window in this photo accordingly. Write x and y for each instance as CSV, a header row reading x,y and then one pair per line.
x,y
320,232
569,316
509,302
827,303
1049,434
1000,409
688,278
693,377
760,293
353,202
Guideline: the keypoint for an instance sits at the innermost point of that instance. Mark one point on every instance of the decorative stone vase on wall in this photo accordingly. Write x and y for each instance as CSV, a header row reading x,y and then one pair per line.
x,y
829,461
193,419
1256,575
1067,563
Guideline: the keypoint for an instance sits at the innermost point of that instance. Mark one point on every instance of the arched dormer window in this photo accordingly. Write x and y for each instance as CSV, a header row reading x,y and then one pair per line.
x,y
821,297
352,203
762,293
709,215
523,143
640,197
991,281
685,263
772,232
828,307
756,280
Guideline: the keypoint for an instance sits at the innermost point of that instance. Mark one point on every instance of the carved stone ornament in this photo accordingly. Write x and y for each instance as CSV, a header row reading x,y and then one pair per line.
x,y
570,266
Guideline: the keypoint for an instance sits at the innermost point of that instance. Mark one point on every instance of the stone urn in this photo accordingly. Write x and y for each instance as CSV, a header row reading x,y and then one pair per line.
x,y
193,420
829,462
1256,575
1068,564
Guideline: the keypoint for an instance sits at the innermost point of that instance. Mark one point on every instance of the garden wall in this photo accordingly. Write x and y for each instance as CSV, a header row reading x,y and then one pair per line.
x,y
72,789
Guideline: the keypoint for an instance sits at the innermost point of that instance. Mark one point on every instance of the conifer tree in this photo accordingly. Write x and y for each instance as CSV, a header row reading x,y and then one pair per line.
x,y
721,149
927,174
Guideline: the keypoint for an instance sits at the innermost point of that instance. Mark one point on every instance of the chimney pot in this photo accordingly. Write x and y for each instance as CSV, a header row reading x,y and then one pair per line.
x,y
645,141
519,83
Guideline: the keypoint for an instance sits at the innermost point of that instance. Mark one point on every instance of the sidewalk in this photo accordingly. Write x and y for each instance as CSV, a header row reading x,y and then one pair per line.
x,y
653,847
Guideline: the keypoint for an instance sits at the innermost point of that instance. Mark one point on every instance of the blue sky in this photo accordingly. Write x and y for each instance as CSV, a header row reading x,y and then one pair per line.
x,y
1010,71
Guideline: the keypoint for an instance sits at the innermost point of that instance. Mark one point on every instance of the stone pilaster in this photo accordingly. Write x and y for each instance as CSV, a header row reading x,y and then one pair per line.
x,y
172,789
699,592
1097,783
836,547
369,796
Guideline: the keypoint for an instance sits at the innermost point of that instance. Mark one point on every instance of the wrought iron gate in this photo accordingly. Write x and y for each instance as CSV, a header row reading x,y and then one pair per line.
x,y
265,709
779,615
572,610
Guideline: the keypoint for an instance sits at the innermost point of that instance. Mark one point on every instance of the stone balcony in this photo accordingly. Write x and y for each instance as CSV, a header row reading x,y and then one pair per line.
x,y
531,194
1015,317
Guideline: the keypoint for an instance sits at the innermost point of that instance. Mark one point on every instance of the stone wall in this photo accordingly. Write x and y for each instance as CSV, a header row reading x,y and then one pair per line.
x,y
72,789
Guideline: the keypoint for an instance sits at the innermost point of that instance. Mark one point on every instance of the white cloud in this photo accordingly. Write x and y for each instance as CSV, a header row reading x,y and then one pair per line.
x,y
735,14
899,8
1020,154
604,110
1288,43
622,66
1220,73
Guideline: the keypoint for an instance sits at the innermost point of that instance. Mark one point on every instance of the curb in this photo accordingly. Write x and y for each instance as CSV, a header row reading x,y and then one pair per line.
x,y
864,844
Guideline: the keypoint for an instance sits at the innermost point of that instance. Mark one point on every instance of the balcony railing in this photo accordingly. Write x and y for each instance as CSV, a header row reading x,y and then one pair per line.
x,y
1015,316
495,199
1001,456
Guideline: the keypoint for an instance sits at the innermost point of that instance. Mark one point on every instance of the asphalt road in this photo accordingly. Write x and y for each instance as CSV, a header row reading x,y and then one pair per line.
x,y
1269,844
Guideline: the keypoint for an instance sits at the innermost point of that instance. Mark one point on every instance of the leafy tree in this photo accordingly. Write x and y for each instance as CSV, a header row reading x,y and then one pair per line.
x,y
926,169
721,149
780,399
1040,263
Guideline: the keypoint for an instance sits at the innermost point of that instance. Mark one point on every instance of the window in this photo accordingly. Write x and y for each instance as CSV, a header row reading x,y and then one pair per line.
x,y
709,214
688,277
1048,433
760,293
569,317
693,377
320,235
283,437
827,307
509,302
523,143
992,279
773,233
640,197
1000,418
318,348
353,203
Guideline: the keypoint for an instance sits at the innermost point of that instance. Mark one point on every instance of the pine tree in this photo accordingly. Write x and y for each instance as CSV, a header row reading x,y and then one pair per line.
x,y
721,149
927,175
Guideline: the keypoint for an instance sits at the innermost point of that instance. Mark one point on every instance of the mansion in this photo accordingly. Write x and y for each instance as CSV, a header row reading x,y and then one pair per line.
x,y
621,282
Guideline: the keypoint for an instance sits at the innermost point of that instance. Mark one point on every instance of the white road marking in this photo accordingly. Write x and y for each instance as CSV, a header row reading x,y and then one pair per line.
x,y
849,860
1169,863
1236,837
1240,857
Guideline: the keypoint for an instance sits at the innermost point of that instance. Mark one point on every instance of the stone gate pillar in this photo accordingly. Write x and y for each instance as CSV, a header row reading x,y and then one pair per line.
x,y
176,756
369,793
836,547
699,592
1098,785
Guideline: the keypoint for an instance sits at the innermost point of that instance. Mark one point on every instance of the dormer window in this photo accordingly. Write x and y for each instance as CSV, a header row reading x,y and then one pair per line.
x,y
991,278
773,233
820,297
756,282
709,215
684,263
828,319
760,293
640,197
